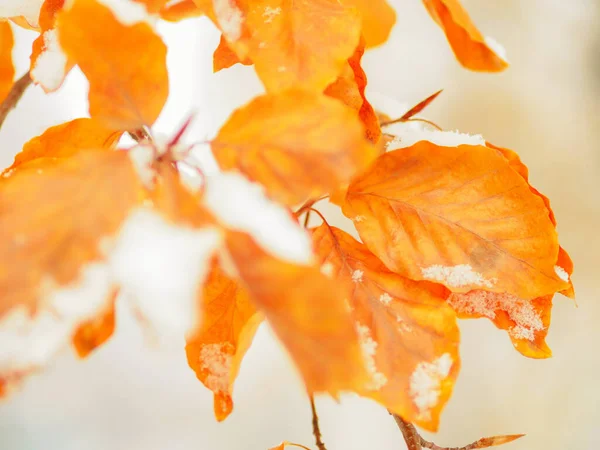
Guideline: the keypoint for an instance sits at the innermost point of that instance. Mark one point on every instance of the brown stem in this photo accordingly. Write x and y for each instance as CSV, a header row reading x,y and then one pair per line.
x,y
414,441
13,97
412,119
315,425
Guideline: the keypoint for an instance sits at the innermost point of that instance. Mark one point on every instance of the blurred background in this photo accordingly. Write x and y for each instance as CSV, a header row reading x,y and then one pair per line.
x,y
132,396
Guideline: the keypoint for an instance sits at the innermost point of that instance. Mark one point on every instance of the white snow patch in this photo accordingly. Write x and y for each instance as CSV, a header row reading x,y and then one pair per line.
x,y
142,157
485,304
425,383
369,349
409,133
30,339
243,206
496,47
29,9
385,298
457,276
217,359
270,13
357,276
358,219
160,267
129,12
49,69
327,269
230,19
562,273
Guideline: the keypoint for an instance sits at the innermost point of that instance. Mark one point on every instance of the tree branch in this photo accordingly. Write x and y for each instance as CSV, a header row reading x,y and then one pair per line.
x,y
13,97
414,441
315,425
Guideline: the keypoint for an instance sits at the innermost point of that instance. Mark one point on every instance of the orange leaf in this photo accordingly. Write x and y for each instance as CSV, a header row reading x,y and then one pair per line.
x,y
49,66
56,216
459,216
224,57
65,140
564,265
408,333
526,321
125,64
472,49
185,9
304,44
297,144
96,331
378,18
350,89
307,314
7,70
215,351
281,446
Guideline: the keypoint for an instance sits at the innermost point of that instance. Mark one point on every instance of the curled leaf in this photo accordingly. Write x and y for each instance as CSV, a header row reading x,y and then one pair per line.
x,y
94,332
472,49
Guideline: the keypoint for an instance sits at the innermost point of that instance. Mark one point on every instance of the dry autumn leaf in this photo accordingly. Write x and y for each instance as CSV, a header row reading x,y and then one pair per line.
x,y
215,351
96,331
224,57
49,65
472,49
408,333
297,144
304,44
307,313
123,59
65,140
350,89
7,69
52,278
459,216
174,12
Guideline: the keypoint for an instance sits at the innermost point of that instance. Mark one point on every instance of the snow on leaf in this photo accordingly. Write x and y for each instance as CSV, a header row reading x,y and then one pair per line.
x,y
49,69
426,383
456,276
305,44
64,140
457,215
306,312
242,206
402,324
125,65
408,134
526,321
7,69
299,145
160,265
472,49
215,350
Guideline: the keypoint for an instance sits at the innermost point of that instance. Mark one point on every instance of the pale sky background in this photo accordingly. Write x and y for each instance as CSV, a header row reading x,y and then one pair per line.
x,y
132,396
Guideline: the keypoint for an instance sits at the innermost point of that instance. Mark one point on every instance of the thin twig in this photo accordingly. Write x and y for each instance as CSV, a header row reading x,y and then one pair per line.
x,y
307,218
315,425
13,97
414,441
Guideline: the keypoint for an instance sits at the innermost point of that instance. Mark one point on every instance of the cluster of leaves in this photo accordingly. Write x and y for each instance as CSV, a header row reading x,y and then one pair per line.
x,y
449,225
